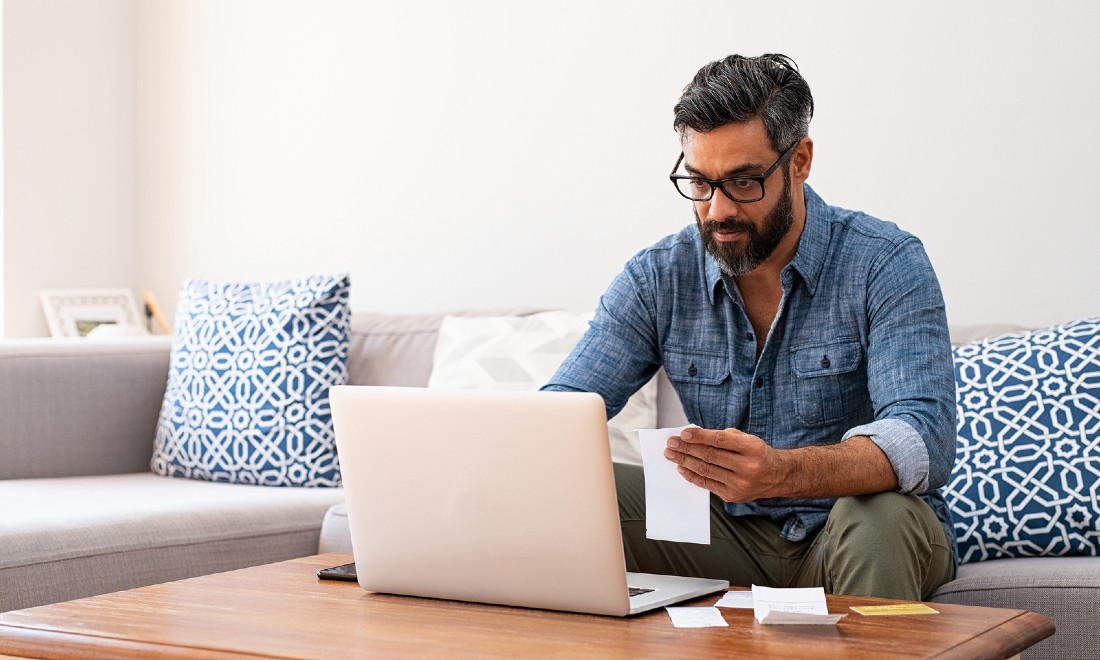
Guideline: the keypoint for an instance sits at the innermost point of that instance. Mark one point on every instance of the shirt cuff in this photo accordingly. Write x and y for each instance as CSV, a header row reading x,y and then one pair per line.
x,y
904,448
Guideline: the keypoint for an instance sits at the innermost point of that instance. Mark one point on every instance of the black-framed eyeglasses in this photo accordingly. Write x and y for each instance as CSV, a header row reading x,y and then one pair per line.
x,y
738,188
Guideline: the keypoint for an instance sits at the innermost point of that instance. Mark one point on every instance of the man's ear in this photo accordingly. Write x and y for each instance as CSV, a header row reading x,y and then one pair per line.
x,y
801,160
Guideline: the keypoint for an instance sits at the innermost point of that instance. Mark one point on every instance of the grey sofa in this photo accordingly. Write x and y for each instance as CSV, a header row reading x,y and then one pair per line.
x,y
81,514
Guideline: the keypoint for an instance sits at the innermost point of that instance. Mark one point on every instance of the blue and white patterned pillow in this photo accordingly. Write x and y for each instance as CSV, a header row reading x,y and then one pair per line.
x,y
1027,479
247,396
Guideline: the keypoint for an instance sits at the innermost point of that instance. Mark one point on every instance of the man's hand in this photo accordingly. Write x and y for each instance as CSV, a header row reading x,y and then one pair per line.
x,y
739,467
733,465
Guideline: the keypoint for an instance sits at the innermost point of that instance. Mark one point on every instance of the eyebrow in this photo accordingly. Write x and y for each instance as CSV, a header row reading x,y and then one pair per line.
x,y
737,171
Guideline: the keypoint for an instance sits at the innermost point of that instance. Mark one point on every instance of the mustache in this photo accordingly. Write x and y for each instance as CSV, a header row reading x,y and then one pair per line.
x,y
729,224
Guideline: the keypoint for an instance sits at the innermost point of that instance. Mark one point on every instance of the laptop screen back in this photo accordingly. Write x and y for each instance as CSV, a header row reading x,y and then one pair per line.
x,y
484,496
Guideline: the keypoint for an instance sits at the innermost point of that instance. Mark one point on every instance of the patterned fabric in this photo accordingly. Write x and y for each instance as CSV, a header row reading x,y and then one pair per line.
x,y
1027,478
521,353
247,396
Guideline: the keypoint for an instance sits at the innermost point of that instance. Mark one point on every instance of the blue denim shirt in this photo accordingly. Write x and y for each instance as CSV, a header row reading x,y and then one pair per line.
x,y
859,346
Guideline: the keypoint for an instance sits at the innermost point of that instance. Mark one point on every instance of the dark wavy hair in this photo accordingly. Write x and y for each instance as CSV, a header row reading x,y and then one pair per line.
x,y
738,88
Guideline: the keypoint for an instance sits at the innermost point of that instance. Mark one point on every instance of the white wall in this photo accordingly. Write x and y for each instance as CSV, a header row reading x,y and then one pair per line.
x,y
495,153
435,150
459,154
70,160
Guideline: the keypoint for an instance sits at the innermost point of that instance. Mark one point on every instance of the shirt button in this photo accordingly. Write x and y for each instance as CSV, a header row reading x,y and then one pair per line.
x,y
692,371
825,362
759,382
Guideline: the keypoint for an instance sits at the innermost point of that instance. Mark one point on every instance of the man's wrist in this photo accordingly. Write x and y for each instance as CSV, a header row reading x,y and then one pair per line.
x,y
790,473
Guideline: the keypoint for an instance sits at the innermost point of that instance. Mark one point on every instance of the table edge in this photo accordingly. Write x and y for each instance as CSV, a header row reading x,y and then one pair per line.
x,y
1018,634
27,642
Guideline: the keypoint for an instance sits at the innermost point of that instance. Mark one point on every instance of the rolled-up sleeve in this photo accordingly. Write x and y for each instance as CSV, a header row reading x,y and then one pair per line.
x,y
911,376
905,449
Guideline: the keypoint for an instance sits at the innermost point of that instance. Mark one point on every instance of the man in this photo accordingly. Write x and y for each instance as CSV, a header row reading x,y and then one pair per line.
x,y
809,344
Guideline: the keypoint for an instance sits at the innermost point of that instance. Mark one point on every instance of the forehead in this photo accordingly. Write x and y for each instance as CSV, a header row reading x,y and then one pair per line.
x,y
727,148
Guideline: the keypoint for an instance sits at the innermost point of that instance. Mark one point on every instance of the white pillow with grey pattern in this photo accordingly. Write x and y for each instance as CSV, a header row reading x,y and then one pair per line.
x,y
522,353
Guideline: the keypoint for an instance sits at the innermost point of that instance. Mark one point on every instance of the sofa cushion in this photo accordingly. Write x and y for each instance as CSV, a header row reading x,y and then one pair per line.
x,y
396,349
1066,589
72,537
247,395
1028,469
522,353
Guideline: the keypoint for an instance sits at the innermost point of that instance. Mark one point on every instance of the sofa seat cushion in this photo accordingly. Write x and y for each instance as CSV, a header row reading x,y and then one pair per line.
x,y
1066,589
78,536
999,579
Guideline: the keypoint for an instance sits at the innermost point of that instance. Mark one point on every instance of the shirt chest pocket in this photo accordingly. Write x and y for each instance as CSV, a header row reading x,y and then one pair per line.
x,y
828,381
701,380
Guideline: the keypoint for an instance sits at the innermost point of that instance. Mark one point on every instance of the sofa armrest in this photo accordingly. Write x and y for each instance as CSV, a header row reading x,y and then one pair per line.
x,y
79,406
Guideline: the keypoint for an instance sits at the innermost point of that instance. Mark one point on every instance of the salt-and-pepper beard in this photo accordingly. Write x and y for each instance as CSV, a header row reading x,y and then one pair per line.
x,y
736,261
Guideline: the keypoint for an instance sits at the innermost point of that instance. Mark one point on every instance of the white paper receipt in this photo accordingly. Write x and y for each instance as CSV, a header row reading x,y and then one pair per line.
x,y
804,606
736,599
696,617
675,508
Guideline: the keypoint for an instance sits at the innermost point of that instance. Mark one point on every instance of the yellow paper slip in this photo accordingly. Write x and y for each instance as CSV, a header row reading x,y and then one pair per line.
x,y
901,608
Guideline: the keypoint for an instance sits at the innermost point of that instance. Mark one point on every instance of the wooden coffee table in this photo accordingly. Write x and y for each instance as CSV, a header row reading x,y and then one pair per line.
x,y
282,610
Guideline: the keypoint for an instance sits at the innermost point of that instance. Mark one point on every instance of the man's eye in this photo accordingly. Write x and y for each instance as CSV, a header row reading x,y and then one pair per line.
x,y
741,184
699,185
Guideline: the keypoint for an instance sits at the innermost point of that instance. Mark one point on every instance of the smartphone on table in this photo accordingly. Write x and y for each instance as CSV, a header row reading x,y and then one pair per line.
x,y
344,572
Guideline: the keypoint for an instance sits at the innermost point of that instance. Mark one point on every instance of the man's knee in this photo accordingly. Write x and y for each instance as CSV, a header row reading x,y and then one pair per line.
x,y
882,529
888,544
880,517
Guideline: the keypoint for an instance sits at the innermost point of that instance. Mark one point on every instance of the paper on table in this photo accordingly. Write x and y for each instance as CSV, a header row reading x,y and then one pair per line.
x,y
804,606
696,617
795,619
675,508
741,599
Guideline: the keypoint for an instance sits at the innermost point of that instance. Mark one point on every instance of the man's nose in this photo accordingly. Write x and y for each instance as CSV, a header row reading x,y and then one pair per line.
x,y
721,207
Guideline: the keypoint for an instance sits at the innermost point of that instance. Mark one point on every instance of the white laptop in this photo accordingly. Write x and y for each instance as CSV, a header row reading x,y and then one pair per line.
x,y
492,497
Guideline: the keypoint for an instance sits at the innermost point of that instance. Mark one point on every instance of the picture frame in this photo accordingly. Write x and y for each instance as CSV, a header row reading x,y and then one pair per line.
x,y
96,312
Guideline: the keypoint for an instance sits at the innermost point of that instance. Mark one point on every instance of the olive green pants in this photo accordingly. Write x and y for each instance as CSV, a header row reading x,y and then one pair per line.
x,y
886,545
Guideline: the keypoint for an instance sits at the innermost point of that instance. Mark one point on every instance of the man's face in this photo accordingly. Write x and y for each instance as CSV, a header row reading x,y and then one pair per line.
x,y
739,235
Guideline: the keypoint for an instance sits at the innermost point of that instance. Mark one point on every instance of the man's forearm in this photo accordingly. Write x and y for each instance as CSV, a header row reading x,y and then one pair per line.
x,y
854,467
740,467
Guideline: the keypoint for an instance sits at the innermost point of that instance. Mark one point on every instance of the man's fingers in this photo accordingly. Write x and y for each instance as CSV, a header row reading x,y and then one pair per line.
x,y
721,439
699,480
712,451
707,469
694,440
722,490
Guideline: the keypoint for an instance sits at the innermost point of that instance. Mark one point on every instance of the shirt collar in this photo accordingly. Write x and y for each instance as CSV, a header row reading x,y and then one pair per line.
x,y
809,258
813,246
